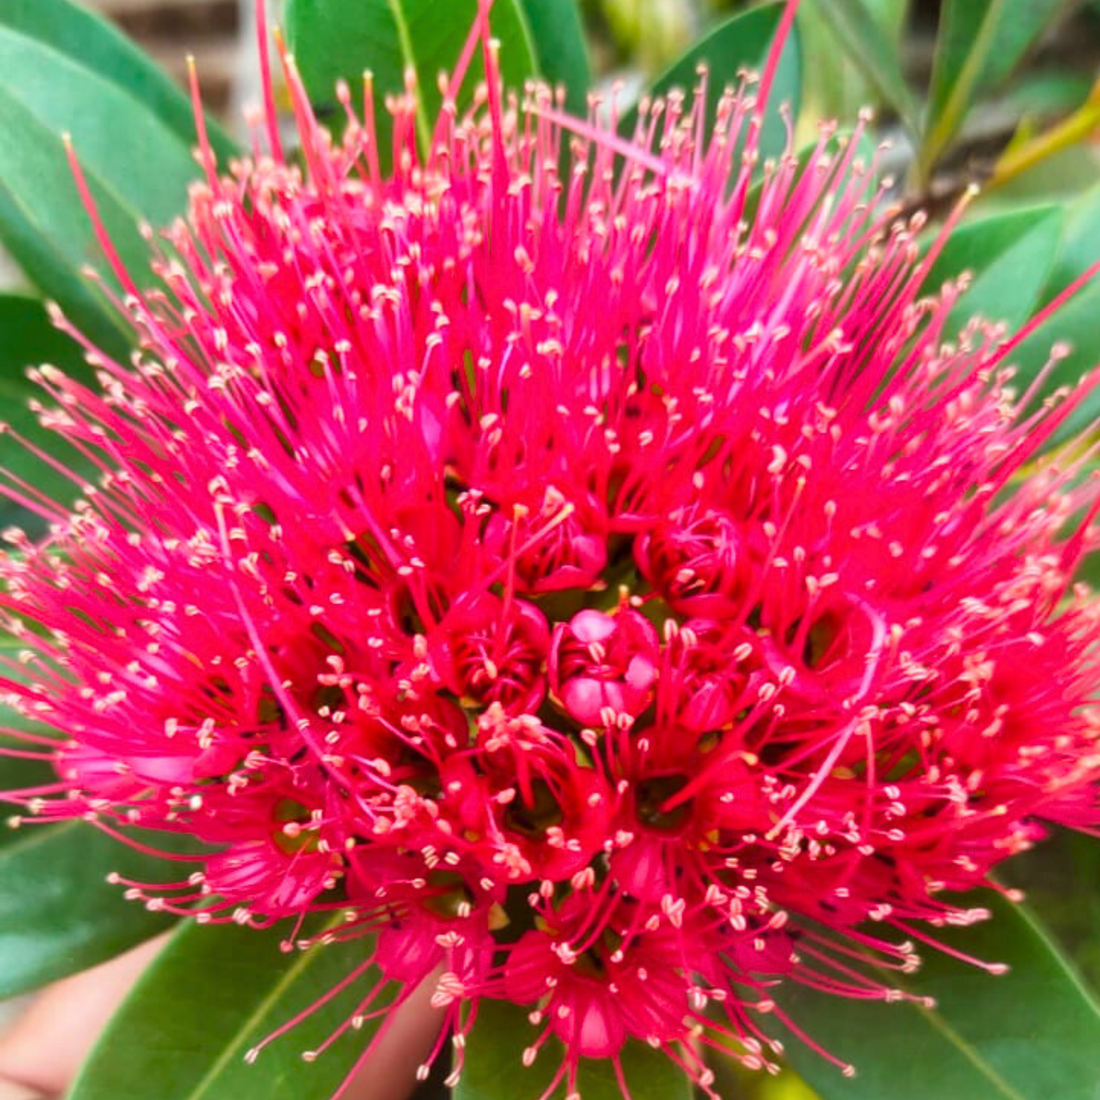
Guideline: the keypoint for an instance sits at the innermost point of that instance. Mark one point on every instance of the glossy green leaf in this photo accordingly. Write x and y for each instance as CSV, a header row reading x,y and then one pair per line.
x,y
1062,880
27,338
558,39
1010,257
979,43
30,338
145,164
493,1067
44,226
212,994
1047,93
742,42
95,44
1075,325
58,913
1031,1034
877,56
17,772
833,87
340,39
136,166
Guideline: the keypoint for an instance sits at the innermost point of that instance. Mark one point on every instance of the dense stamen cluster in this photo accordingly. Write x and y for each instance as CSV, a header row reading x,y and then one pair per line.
x,y
613,590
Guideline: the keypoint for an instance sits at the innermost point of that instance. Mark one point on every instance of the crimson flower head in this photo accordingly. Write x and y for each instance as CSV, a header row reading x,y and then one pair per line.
x,y
611,587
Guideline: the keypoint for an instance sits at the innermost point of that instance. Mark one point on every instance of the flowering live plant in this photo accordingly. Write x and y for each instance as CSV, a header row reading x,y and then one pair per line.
x,y
581,570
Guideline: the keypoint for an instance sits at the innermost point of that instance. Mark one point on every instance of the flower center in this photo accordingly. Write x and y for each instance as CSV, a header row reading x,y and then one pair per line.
x,y
451,896
533,818
651,803
821,640
292,834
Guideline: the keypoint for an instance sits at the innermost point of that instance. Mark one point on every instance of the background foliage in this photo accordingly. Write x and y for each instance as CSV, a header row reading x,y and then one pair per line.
x,y
998,92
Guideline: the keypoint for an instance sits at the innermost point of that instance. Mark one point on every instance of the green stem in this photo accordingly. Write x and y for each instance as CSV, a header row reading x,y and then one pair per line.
x,y
1078,127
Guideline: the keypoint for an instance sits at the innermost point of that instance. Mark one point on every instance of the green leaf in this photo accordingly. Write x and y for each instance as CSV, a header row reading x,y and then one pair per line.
x,y
93,43
878,57
1062,880
979,43
1075,324
44,226
30,338
18,773
213,993
144,163
340,39
558,39
58,913
832,87
742,42
493,1069
136,167
1031,1034
27,338
1047,93
1010,256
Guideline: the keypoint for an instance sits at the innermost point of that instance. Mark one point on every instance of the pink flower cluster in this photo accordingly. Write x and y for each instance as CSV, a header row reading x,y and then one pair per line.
x,y
613,590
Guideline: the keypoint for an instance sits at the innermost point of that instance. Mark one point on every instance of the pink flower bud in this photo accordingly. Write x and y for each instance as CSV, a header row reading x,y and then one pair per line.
x,y
707,675
492,651
697,561
600,661
551,555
